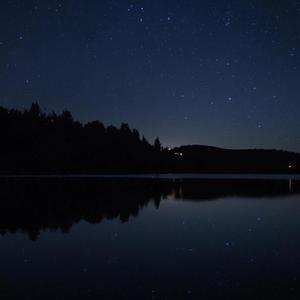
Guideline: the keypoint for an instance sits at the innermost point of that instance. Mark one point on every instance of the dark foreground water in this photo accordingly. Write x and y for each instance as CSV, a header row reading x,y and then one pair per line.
x,y
134,238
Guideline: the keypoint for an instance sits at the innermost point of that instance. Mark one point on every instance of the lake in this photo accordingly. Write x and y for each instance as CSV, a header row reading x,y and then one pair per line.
x,y
150,237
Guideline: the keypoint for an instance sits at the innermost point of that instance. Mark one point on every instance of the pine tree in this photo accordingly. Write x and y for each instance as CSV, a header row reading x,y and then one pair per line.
x,y
157,144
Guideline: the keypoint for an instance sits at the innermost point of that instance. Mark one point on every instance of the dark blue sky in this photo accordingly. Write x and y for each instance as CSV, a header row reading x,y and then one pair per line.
x,y
222,73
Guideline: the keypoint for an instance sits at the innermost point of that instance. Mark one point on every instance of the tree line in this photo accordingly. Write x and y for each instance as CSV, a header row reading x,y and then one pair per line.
x,y
33,141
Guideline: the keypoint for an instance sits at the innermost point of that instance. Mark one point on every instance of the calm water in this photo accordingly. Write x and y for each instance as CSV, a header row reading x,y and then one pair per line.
x,y
139,238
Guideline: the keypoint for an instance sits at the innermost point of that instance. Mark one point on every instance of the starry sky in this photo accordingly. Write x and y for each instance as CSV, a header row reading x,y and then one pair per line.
x,y
220,73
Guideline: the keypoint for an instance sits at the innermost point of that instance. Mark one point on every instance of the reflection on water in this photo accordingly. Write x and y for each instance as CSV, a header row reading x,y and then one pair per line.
x,y
149,238
32,205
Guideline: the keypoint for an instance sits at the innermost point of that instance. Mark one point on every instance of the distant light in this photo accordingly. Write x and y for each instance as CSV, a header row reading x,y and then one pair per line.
x,y
178,153
290,166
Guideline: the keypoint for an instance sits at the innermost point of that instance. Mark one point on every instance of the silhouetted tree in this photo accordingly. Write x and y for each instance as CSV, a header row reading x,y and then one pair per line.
x,y
145,142
125,128
95,127
35,110
136,135
157,144
66,117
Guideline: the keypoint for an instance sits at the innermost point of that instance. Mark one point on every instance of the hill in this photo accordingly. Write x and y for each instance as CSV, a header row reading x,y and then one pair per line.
x,y
197,158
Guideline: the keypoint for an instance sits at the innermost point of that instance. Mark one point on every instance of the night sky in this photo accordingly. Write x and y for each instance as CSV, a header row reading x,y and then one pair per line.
x,y
221,73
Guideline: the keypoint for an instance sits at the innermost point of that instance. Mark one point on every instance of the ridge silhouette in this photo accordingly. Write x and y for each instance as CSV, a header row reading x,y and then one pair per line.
x,y
33,142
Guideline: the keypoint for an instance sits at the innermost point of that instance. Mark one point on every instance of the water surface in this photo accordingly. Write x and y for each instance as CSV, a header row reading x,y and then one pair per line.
x,y
159,238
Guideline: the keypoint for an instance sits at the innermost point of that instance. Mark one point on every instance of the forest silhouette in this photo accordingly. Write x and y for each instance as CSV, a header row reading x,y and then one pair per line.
x,y
34,142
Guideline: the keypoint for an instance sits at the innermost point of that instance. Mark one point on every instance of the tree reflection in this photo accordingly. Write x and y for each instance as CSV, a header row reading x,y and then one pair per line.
x,y
34,205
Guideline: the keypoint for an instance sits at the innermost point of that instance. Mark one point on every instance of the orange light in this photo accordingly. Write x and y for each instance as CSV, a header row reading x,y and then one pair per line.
x,y
178,153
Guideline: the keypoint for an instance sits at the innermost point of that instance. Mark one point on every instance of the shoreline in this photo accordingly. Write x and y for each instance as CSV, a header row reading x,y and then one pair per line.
x,y
234,176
